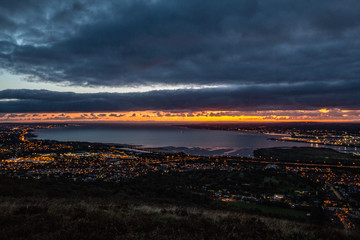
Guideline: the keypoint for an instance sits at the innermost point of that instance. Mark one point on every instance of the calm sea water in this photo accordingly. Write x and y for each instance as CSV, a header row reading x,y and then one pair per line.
x,y
170,138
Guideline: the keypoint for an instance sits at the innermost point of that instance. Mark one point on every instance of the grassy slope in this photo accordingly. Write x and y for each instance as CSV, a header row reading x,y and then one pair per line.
x,y
65,210
271,210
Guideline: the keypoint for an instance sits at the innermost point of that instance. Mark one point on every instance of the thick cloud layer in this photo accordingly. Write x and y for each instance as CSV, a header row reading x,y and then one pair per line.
x,y
306,96
277,54
117,43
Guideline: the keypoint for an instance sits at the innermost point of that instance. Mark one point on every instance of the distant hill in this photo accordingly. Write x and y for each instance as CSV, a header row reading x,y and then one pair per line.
x,y
307,155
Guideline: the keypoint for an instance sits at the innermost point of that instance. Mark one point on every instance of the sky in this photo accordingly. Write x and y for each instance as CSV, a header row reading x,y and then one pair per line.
x,y
189,60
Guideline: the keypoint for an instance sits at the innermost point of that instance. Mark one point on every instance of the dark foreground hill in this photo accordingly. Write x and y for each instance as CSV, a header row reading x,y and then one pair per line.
x,y
49,209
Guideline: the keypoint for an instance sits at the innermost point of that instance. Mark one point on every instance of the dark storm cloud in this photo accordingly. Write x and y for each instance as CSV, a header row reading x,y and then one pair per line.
x,y
117,43
306,96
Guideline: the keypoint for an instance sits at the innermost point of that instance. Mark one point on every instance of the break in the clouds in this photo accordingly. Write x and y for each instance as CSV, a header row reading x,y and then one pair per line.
x,y
306,96
288,115
278,54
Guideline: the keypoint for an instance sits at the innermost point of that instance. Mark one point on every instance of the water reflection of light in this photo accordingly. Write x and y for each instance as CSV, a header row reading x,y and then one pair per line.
x,y
317,145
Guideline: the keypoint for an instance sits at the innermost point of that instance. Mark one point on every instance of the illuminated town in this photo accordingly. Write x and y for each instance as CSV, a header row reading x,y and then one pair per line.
x,y
300,186
332,134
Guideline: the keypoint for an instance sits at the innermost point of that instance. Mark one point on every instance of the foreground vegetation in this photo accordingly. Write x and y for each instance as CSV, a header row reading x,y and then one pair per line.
x,y
139,209
91,219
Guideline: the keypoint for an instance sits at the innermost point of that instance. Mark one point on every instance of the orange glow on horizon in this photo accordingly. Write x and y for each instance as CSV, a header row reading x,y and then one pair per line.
x,y
324,110
321,115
